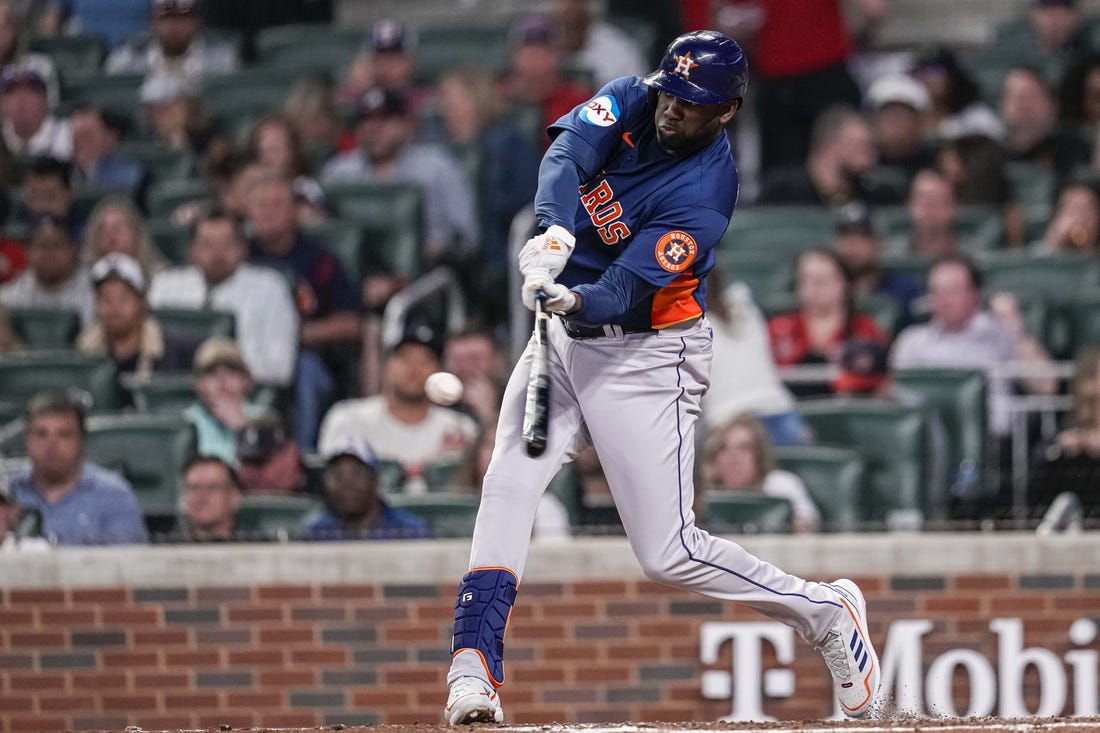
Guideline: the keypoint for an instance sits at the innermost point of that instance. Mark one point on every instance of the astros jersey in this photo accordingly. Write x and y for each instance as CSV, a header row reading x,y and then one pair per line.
x,y
658,215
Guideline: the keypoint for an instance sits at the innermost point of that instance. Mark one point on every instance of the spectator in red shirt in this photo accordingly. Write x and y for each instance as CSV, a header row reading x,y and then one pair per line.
x,y
799,51
826,318
535,76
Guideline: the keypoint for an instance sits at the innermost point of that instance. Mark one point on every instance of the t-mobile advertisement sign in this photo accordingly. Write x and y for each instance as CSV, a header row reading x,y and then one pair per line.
x,y
1067,684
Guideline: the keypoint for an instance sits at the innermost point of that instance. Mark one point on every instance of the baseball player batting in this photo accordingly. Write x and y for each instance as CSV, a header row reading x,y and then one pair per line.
x,y
624,265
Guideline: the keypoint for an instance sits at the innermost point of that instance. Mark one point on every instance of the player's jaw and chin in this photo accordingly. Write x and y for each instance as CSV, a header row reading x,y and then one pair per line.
x,y
692,128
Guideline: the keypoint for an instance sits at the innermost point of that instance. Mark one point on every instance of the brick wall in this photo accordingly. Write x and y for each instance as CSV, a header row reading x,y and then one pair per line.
x,y
305,655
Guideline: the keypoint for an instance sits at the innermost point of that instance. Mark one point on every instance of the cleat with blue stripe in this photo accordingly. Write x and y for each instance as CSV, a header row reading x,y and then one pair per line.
x,y
849,654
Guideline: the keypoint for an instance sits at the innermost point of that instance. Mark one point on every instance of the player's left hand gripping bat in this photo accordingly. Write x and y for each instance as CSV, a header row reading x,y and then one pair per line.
x,y
536,413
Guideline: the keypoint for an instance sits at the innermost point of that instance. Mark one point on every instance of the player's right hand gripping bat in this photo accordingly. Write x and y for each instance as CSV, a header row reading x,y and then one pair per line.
x,y
536,413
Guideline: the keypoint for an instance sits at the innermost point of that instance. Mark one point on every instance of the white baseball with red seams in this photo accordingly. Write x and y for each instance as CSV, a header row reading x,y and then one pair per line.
x,y
443,388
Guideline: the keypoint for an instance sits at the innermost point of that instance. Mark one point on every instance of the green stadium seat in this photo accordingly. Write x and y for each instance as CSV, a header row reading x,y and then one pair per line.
x,y
274,517
195,324
1083,314
345,240
165,197
911,266
891,437
163,393
116,92
978,228
764,272
85,198
45,328
162,163
391,476
149,450
73,56
445,47
729,511
171,239
231,99
1054,275
440,475
788,228
308,47
392,217
22,375
960,399
447,514
836,479
883,309
1034,184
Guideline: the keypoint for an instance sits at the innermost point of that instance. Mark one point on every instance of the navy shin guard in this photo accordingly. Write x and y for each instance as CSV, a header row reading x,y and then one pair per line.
x,y
484,604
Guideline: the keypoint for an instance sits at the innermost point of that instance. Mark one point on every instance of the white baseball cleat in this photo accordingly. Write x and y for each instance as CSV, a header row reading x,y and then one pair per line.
x,y
849,654
472,701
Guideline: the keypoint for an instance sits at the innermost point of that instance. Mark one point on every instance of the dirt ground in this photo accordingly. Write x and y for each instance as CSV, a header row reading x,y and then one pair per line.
x,y
899,724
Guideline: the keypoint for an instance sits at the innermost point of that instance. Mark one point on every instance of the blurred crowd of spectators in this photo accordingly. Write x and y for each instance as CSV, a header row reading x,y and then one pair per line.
x,y
305,400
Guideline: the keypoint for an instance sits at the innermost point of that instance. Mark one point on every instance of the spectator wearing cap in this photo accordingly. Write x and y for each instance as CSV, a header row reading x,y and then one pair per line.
x,y
210,495
535,73
401,423
354,506
219,277
386,151
860,247
96,160
328,303
124,329
25,102
54,277
956,107
388,60
177,46
898,103
1034,135
79,502
597,47
223,384
268,461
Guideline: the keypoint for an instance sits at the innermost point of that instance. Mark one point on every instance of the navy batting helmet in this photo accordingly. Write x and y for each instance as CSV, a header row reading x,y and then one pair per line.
x,y
702,67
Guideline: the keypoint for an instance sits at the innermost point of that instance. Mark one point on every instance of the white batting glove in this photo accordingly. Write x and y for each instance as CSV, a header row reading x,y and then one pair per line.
x,y
559,299
547,251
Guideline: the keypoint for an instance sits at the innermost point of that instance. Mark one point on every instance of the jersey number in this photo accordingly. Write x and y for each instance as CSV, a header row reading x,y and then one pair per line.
x,y
605,213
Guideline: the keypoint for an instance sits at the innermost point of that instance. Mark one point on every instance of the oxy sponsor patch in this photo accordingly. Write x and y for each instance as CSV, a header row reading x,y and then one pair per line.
x,y
601,112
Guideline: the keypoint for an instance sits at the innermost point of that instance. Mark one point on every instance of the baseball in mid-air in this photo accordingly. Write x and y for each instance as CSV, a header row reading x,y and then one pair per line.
x,y
443,388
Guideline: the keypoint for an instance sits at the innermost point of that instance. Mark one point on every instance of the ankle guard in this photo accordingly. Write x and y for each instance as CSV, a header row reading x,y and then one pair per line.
x,y
484,603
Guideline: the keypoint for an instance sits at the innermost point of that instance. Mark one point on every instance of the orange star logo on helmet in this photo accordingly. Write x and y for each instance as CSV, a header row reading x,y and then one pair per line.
x,y
684,65
675,251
